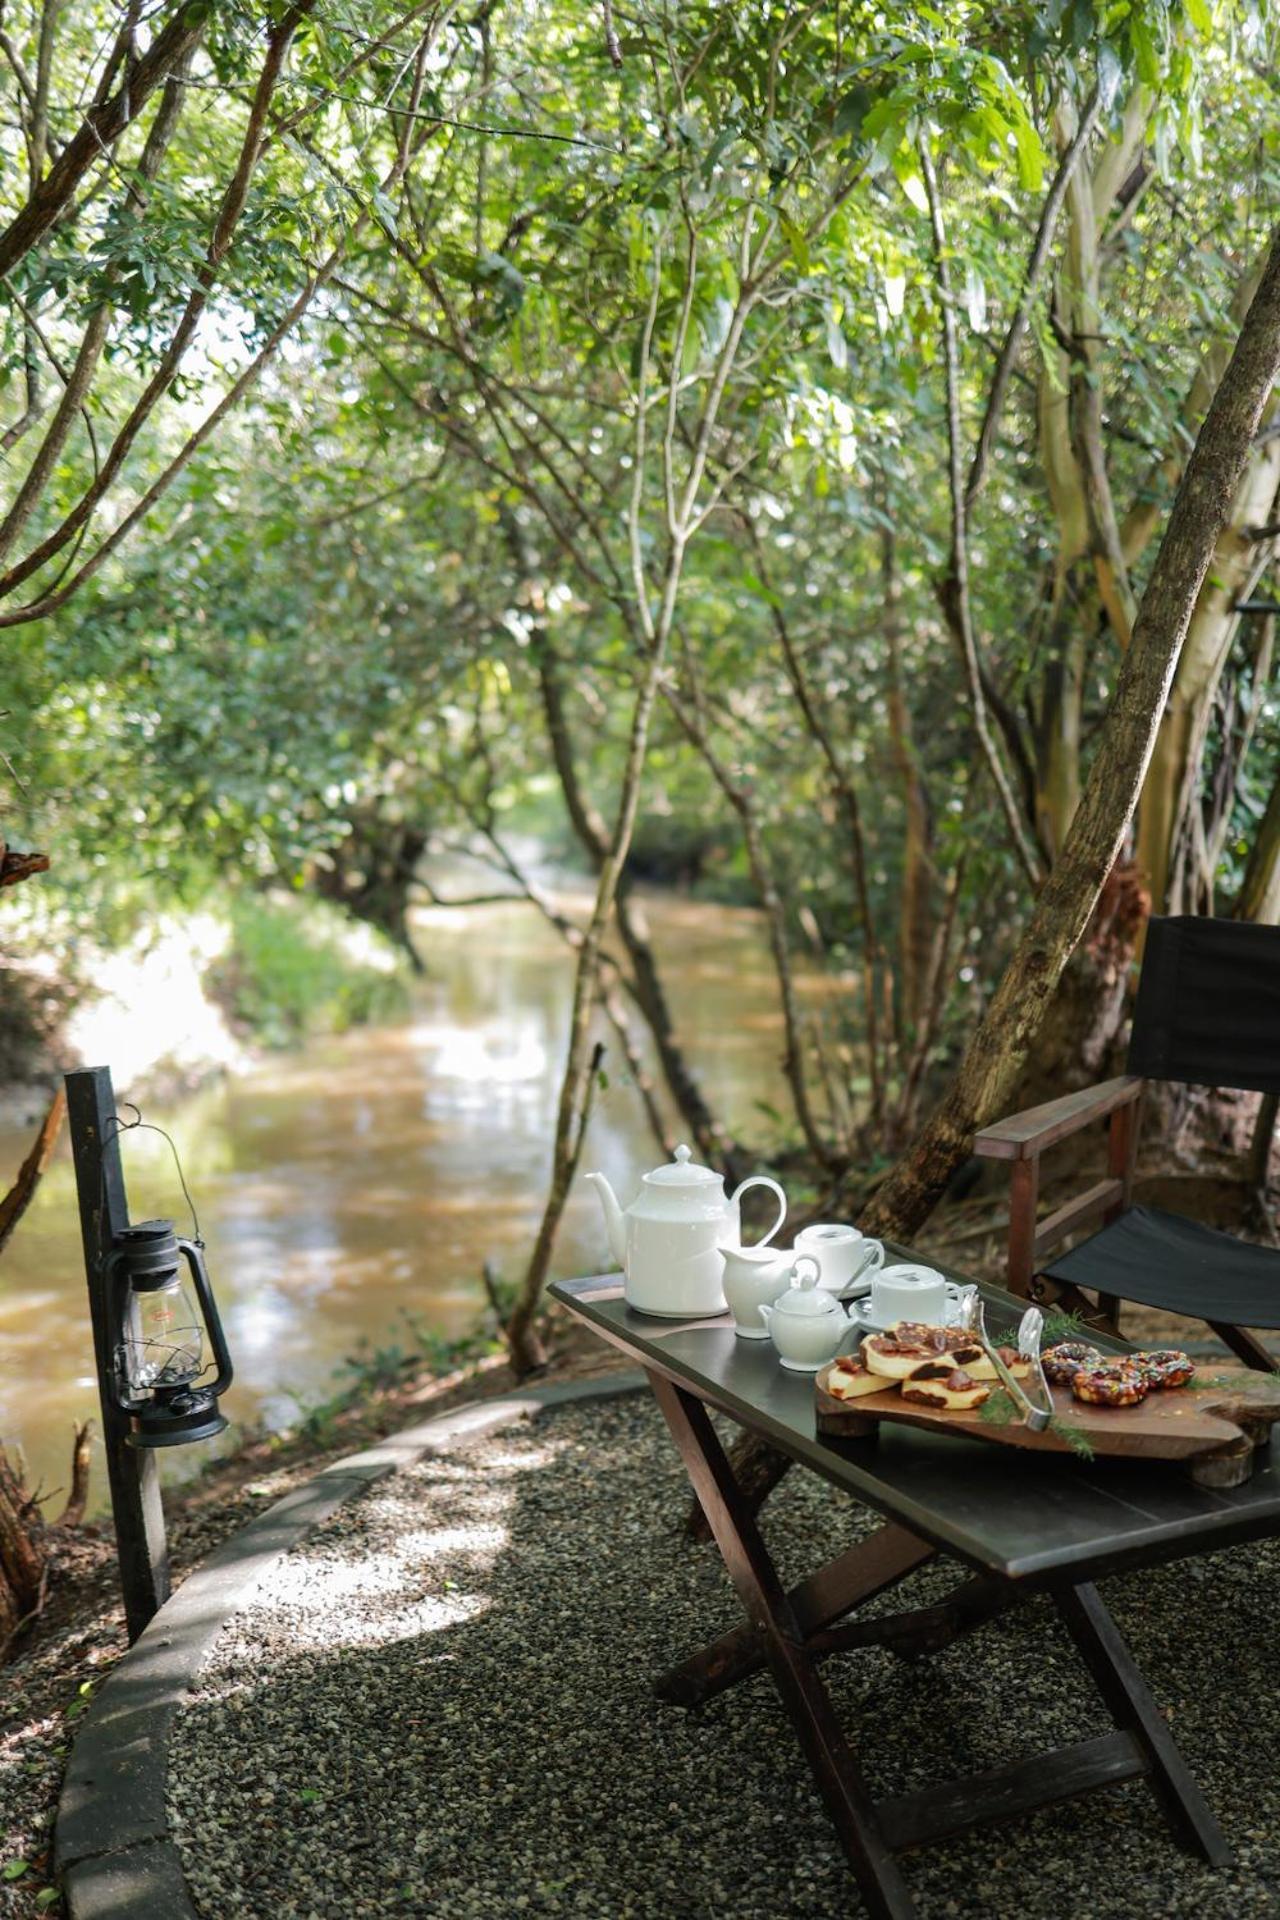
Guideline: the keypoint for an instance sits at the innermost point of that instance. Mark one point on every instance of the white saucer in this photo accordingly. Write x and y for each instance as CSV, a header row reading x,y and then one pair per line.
x,y
862,1314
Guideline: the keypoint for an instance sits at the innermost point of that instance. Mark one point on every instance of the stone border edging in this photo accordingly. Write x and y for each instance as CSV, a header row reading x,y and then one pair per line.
x,y
114,1857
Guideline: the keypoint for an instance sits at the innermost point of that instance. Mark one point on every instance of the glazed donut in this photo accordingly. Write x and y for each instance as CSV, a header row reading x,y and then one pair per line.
x,y
1109,1386
1164,1367
1062,1362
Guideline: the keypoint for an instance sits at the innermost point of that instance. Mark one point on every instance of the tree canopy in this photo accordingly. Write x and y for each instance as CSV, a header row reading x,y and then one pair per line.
x,y
748,431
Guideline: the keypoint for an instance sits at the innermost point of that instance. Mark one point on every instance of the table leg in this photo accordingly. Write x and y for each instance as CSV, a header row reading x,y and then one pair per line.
x,y
925,1630
771,1614
868,1569
1126,1694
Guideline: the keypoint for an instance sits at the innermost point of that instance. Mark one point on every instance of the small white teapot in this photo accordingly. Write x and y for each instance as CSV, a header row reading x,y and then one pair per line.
x,y
668,1240
807,1325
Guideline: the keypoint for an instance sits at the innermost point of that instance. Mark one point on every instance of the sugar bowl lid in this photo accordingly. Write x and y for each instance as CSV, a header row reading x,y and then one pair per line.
x,y
806,1299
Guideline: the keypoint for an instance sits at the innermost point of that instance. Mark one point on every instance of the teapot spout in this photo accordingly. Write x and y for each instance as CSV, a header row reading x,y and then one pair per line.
x,y
612,1217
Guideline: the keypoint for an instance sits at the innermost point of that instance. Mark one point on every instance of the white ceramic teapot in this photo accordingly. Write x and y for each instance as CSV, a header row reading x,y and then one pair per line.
x,y
668,1240
807,1325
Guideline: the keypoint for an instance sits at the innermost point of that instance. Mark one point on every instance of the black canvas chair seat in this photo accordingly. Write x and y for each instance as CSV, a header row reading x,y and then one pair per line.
x,y
1207,1014
1161,1260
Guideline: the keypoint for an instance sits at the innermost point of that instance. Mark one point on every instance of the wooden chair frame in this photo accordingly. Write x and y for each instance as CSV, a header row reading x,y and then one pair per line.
x,y
1021,1139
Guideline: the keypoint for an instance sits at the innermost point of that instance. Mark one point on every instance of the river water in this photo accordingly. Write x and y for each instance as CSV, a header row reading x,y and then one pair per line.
x,y
374,1173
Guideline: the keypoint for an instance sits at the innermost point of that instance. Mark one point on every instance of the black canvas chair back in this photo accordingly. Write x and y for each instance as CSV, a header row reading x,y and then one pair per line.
x,y
1208,1006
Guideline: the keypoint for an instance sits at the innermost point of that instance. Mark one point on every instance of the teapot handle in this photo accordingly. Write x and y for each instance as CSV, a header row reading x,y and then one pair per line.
x,y
763,1180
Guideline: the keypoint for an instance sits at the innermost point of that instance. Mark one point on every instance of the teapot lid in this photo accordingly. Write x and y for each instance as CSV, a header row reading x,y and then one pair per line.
x,y
681,1172
806,1298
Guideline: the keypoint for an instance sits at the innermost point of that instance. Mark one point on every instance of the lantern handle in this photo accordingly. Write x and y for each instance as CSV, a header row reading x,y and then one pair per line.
x,y
193,1252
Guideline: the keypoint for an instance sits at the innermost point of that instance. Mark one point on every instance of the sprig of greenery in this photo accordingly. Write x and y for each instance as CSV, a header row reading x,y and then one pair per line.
x,y
1072,1436
1058,1325
1061,1325
999,1410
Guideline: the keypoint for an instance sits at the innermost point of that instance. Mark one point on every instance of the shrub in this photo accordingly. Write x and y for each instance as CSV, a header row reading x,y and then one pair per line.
x,y
296,968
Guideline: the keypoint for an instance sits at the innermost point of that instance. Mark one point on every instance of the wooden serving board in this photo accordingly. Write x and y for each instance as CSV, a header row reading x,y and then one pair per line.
x,y
1213,1429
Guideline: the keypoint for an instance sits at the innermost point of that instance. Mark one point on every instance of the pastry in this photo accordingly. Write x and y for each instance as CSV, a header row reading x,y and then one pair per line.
x,y
892,1357
1163,1367
1110,1385
983,1369
937,1339
952,1344
1062,1362
898,1353
849,1379
957,1391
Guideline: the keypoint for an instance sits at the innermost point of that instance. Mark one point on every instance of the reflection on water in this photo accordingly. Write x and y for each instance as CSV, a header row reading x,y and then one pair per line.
x,y
377,1171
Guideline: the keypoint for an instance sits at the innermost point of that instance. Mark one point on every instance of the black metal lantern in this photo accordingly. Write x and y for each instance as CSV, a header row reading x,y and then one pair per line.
x,y
158,1339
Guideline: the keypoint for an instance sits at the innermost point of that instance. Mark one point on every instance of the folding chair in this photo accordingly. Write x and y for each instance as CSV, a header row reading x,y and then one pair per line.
x,y
1207,1014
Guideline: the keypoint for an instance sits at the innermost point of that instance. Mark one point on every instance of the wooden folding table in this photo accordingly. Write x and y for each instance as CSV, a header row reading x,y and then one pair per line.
x,y
1019,1523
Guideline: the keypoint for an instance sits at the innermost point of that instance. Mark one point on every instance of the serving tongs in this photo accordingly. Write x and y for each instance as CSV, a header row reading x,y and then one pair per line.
x,y
1036,1407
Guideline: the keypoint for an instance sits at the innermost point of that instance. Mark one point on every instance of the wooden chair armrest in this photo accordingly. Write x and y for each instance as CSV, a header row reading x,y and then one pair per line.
x,y
1023,1136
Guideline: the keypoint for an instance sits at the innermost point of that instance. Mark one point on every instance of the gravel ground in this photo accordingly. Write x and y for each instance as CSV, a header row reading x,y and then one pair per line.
x,y
440,1705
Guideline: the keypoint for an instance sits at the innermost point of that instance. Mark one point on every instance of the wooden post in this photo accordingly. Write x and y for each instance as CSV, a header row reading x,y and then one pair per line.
x,y
1024,1198
1122,1152
133,1471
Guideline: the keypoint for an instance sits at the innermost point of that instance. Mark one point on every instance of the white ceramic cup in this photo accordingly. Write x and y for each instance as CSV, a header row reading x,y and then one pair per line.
x,y
909,1293
843,1254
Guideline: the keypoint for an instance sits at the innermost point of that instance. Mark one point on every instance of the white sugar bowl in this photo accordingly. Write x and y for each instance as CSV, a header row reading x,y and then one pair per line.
x,y
807,1325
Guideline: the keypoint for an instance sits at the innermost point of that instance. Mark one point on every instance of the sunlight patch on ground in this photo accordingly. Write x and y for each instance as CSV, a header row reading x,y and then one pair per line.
x,y
442,1540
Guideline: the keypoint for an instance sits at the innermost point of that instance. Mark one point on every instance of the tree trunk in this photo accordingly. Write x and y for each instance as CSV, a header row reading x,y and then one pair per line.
x,y
916,934
1089,569
1170,784
1260,892
81,1462
24,1550
1079,1031
845,790
1059,721
690,715
371,875
21,1193
22,1558
995,1055
712,1140
1264,1127
998,1050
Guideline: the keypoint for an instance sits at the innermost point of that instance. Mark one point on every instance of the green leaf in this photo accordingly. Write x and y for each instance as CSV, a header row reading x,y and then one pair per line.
x,y
796,240
1144,51
904,165
852,112
1030,156
14,1869
1110,73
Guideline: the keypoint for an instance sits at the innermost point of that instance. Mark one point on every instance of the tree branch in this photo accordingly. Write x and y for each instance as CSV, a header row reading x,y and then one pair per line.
x,y
103,125
954,588
1045,230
